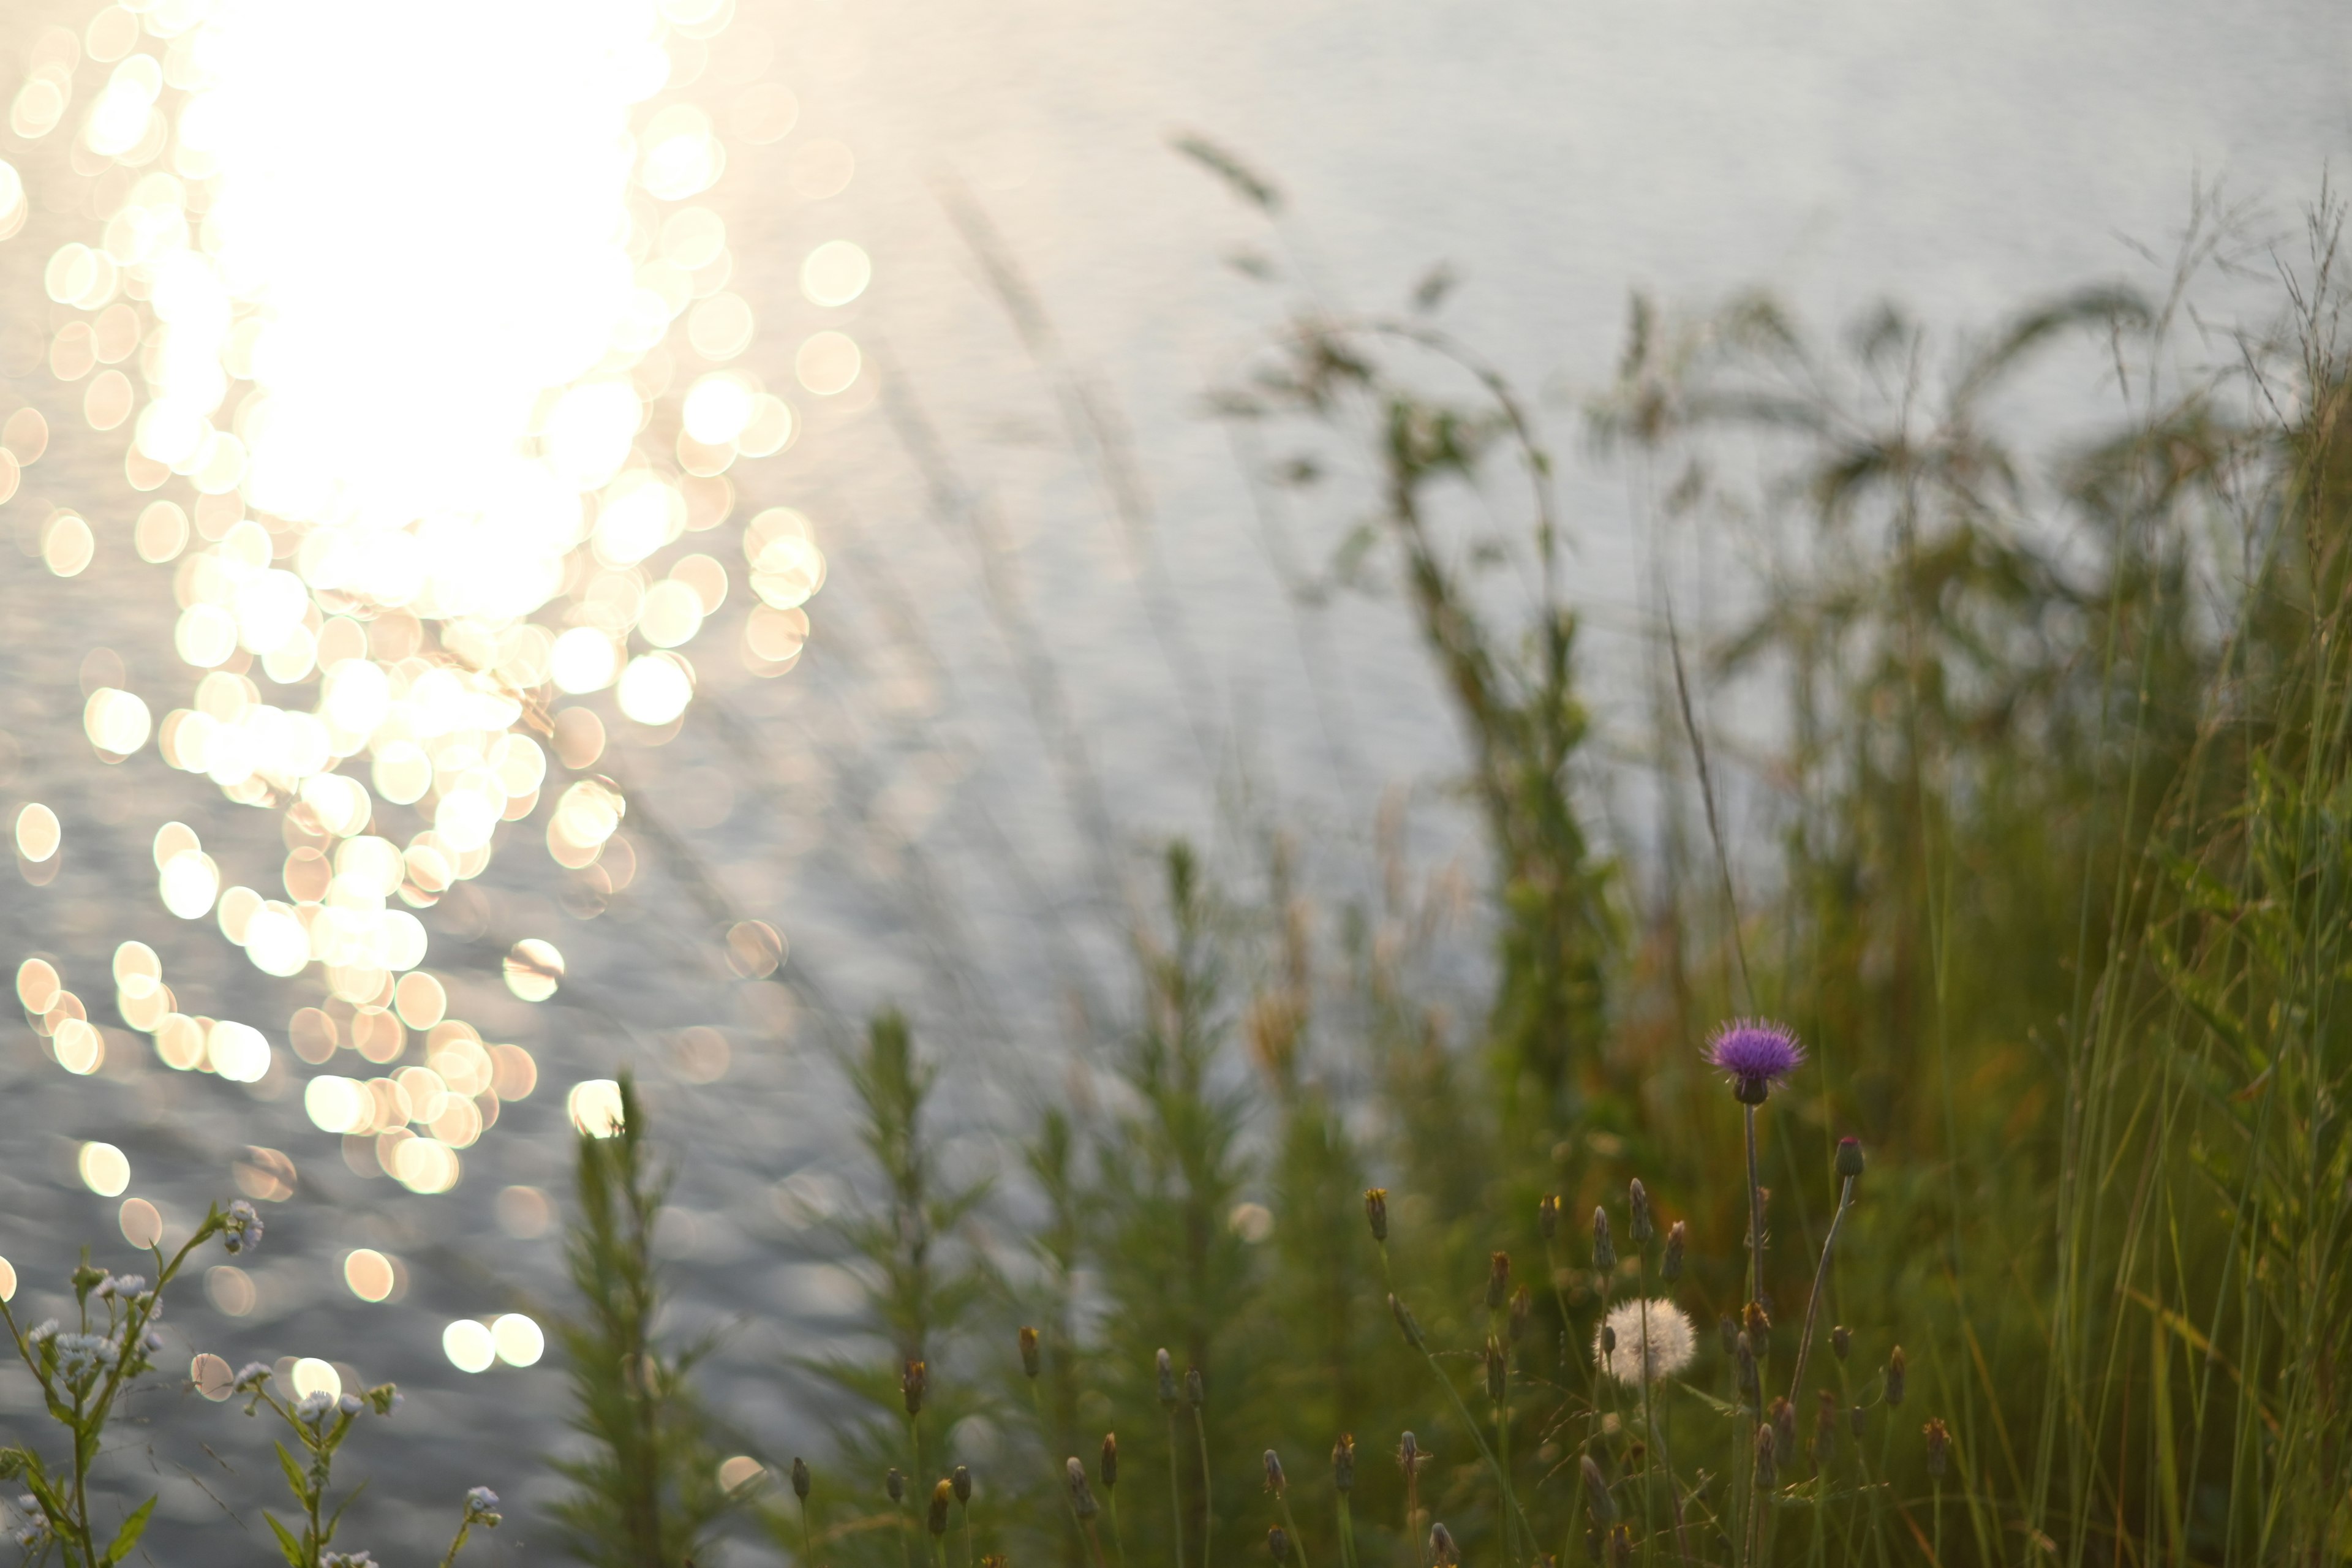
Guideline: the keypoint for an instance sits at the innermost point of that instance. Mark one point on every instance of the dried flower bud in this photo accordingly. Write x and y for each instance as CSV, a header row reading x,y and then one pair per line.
x,y
1939,1447
1620,1546
1343,1464
1167,1380
1784,1429
1082,1496
1670,1268
1759,1324
801,1479
1744,1353
1602,1507
912,1382
1404,1322
1108,1468
1840,1341
1032,1359
1408,1456
1442,1550
1767,1468
942,1496
1849,1158
1497,1372
962,1476
1196,1393
1604,1250
1376,1210
1278,1544
896,1485
1607,1340
1523,1306
1548,1217
1897,1371
1639,1227
1498,1281
1275,1482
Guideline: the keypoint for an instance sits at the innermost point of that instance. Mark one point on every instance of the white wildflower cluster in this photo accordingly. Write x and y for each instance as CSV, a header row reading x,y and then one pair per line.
x,y
348,1559
75,1358
482,1507
315,1407
251,1376
30,1529
243,1231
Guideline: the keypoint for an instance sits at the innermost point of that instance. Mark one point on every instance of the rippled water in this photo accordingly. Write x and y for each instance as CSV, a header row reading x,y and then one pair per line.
x,y
890,805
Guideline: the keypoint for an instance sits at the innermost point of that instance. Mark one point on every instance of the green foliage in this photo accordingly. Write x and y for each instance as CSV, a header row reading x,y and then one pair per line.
x,y
648,1496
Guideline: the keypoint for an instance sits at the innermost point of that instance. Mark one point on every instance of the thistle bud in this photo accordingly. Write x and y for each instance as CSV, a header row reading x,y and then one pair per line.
x,y
942,1496
1897,1371
1376,1211
1939,1447
1639,1227
1408,1456
1082,1496
1108,1468
1404,1322
1496,1372
1548,1217
1278,1544
896,1485
1498,1281
1523,1306
1607,1340
1275,1482
962,1479
1196,1393
1670,1268
801,1479
1849,1158
1602,1507
1784,1429
912,1382
1604,1250
1442,1550
1745,1354
1767,1468
1031,1358
1343,1464
1167,1381
1840,1341
1759,1324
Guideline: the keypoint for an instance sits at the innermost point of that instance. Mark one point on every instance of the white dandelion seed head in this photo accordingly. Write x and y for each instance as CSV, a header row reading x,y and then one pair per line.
x,y
1669,1343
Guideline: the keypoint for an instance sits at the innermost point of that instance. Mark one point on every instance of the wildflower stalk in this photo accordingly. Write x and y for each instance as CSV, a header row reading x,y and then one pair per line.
x,y
1820,1280
1414,1337
482,1509
1208,1511
1175,1490
82,1374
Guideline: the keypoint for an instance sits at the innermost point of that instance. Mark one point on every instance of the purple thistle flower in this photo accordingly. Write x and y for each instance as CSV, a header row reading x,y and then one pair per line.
x,y
1755,1053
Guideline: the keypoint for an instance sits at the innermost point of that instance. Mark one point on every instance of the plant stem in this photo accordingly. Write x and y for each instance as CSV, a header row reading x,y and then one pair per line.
x,y
1298,1542
1118,1536
808,1552
1821,1279
1175,1490
1208,1513
1346,1532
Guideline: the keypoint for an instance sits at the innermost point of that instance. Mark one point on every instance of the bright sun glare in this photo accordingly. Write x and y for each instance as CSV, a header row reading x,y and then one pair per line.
x,y
433,359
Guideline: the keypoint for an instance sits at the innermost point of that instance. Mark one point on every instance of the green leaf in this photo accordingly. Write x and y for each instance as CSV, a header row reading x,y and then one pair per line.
x,y
294,1476
287,1543
128,1536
